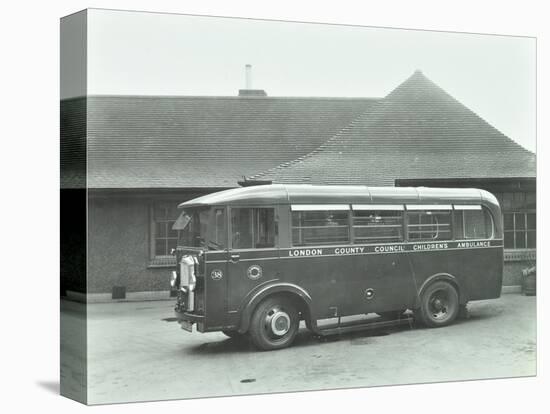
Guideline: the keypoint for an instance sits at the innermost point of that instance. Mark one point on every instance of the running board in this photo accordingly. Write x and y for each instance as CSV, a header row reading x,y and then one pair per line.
x,y
354,326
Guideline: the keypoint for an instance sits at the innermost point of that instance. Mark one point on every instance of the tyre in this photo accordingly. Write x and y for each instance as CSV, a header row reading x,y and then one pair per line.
x,y
274,324
233,334
438,304
391,315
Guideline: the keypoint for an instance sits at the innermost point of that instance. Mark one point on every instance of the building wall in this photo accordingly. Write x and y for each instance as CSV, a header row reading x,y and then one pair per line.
x,y
514,262
119,242
118,247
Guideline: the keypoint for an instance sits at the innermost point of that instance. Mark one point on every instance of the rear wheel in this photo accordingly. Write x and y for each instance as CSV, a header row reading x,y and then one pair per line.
x,y
439,304
274,323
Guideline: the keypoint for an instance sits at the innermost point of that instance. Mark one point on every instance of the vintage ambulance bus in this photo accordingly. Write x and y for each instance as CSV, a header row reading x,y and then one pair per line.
x,y
257,260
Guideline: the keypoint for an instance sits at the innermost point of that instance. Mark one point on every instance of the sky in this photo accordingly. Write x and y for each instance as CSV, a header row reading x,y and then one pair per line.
x,y
139,53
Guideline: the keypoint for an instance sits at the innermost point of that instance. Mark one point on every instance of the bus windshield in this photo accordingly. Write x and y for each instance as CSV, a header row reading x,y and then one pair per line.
x,y
193,229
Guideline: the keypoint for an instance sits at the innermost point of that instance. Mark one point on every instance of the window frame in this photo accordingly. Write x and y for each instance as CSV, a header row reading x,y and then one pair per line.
x,y
320,207
419,208
515,230
153,256
460,209
229,227
212,226
377,207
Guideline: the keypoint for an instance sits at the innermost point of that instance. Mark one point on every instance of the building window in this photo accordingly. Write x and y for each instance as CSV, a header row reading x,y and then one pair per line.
x,y
384,226
519,212
429,225
320,227
253,228
520,230
164,239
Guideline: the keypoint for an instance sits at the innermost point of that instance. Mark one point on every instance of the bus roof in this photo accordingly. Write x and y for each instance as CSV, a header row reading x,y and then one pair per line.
x,y
264,195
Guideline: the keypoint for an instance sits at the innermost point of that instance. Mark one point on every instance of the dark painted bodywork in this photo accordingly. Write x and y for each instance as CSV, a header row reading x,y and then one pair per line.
x,y
333,283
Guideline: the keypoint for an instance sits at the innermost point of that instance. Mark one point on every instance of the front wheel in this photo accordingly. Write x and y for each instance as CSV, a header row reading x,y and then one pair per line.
x,y
439,304
274,324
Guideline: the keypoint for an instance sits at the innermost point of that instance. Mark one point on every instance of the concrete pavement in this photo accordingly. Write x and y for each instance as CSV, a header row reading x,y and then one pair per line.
x,y
136,352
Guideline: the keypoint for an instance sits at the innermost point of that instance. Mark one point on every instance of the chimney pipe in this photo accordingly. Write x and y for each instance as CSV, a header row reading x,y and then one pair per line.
x,y
248,76
248,91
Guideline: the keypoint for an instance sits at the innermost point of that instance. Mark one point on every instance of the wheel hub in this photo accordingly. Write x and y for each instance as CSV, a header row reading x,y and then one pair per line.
x,y
438,306
280,323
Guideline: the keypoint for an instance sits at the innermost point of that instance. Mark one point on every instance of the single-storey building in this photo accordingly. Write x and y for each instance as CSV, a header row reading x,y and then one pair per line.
x,y
127,161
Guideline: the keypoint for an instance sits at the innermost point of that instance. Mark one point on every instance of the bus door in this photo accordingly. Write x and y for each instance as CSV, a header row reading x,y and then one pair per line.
x,y
216,268
384,278
253,253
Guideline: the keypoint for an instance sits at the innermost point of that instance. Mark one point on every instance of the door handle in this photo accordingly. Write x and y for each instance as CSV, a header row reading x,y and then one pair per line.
x,y
235,257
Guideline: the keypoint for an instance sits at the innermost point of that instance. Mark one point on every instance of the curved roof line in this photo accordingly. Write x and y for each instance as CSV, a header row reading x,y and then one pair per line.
x,y
277,194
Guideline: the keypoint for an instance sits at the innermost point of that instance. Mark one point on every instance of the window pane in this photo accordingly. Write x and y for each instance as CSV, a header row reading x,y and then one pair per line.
x,y
382,226
531,221
253,228
219,229
241,223
508,239
320,227
519,200
160,211
520,221
476,224
191,228
171,245
160,247
508,221
507,201
520,240
161,229
163,237
429,225
264,228
171,233
531,239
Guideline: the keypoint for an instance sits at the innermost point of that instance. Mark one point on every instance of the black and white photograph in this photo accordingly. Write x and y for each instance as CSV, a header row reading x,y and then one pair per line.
x,y
274,207
259,206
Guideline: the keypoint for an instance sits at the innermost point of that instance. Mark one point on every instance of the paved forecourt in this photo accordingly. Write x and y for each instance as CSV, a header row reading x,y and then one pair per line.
x,y
137,352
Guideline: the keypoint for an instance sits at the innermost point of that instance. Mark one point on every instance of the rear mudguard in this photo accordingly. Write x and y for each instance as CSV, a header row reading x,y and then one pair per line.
x,y
462,297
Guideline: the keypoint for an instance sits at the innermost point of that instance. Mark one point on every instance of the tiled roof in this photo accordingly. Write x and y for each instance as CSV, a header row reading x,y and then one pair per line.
x,y
73,143
177,142
417,131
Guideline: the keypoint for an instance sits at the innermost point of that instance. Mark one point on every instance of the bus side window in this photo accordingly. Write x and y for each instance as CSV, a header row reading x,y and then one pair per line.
x,y
253,228
382,226
320,227
428,225
472,222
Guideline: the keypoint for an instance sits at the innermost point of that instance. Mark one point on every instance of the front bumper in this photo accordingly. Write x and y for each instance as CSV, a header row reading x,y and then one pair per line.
x,y
187,320
186,313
